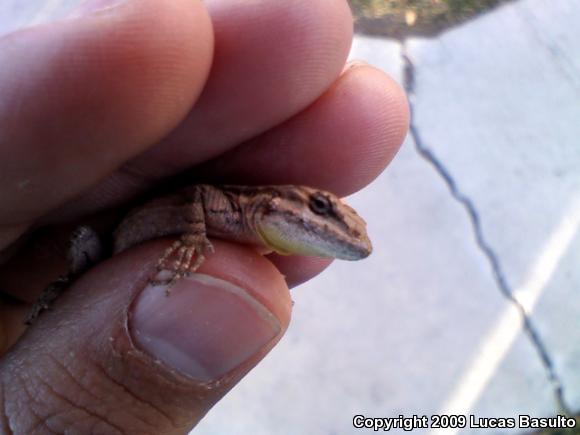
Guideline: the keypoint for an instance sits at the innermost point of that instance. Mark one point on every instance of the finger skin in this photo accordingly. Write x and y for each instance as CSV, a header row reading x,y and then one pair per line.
x,y
340,143
272,60
82,95
82,359
297,269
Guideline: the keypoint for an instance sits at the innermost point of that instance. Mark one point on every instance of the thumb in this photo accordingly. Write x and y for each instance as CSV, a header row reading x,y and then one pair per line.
x,y
116,355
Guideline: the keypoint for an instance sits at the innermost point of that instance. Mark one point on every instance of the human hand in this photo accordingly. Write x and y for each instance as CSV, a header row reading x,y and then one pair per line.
x,y
99,107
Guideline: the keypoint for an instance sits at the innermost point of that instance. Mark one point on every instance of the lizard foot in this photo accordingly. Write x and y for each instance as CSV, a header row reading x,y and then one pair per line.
x,y
183,251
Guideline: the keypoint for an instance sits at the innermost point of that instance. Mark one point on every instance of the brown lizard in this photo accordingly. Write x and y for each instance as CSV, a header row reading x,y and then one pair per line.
x,y
285,219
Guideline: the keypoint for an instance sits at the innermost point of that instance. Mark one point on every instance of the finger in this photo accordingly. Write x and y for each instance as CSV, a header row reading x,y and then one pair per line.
x,y
118,355
82,95
297,269
340,143
272,60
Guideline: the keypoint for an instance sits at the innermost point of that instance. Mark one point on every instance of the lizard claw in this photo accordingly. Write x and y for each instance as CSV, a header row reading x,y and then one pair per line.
x,y
185,249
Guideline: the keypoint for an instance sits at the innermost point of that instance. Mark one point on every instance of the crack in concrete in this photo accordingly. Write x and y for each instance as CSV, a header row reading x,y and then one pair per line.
x,y
483,245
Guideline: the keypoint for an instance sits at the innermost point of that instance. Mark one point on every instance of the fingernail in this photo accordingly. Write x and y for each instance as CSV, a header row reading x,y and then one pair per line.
x,y
355,63
204,328
92,6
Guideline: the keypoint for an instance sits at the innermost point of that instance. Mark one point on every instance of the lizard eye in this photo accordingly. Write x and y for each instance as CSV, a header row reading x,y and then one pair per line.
x,y
320,204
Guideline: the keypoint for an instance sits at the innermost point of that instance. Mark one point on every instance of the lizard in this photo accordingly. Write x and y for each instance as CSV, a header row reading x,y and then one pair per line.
x,y
287,219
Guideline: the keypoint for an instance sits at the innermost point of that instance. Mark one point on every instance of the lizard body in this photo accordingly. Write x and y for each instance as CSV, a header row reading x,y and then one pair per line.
x,y
287,219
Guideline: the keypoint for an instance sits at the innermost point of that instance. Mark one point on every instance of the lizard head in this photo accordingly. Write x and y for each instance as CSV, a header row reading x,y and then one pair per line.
x,y
305,221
